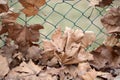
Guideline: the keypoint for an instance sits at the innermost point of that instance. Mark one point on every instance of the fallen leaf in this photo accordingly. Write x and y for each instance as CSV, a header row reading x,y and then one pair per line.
x,y
48,46
9,18
58,38
26,35
22,35
69,73
91,75
8,50
4,68
100,3
82,71
33,53
89,38
25,71
83,68
31,7
86,72
111,21
104,75
30,11
111,40
84,56
3,6
105,57
70,49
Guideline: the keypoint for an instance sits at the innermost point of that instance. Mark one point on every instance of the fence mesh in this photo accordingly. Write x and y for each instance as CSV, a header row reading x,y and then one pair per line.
x,y
76,14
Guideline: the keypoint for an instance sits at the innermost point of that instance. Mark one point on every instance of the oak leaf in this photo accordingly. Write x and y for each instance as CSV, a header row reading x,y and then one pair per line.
x,y
31,7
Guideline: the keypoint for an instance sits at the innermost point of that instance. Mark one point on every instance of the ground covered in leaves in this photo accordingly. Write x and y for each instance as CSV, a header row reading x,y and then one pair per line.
x,y
64,57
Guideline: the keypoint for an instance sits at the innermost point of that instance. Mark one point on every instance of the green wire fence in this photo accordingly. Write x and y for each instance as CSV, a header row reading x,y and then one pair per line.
x,y
76,14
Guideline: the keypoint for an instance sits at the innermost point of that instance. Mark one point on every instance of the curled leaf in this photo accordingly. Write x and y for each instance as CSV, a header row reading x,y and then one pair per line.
x,y
68,47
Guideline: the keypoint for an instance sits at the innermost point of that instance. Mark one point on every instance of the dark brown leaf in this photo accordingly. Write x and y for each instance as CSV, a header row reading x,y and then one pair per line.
x,y
9,18
3,6
111,21
105,57
100,3
22,35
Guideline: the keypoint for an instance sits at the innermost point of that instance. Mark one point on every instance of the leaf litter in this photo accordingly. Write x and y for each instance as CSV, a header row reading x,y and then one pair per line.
x,y
64,56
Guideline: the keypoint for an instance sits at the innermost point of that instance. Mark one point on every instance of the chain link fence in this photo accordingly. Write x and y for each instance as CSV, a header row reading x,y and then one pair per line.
x,y
76,14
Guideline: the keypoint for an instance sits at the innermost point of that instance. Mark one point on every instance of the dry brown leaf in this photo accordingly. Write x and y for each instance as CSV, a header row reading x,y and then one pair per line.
x,y
47,45
91,75
30,11
105,75
73,41
22,35
8,50
111,21
111,41
26,71
33,53
3,6
4,67
13,30
68,47
86,72
80,72
58,40
31,7
89,38
84,56
69,73
83,68
100,3
30,71
9,18
50,73
105,57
